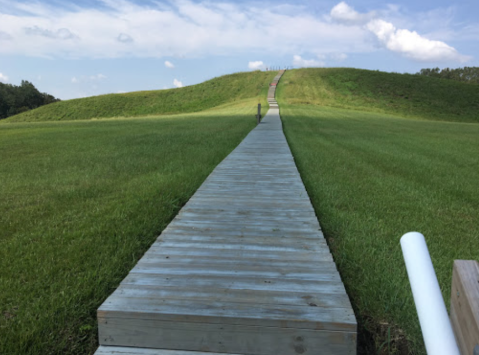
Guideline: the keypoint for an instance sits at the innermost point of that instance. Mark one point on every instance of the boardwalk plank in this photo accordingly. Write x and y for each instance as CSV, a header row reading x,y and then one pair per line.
x,y
333,300
238,313
247,283
225,338
118,350
242,269
182,261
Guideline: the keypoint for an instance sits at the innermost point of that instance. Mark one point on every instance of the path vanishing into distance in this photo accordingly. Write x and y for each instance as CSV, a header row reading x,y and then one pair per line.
x,y
242,269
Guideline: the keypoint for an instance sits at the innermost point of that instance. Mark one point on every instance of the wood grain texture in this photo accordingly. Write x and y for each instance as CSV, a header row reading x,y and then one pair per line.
x,y
119,350
465,304
242,269
225,338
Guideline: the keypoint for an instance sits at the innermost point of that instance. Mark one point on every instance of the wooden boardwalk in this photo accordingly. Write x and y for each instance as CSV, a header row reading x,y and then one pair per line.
x,y
242,269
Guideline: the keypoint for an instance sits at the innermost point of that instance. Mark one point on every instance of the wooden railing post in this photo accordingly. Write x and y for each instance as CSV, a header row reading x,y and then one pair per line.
x,y
258,116
465,305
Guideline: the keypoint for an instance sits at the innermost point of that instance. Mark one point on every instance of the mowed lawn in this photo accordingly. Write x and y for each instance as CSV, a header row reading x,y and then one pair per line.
x,y
372,178
81,201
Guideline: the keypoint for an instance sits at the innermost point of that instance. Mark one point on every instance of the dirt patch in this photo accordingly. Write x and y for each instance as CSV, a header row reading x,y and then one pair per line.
x,y
10,314
380,338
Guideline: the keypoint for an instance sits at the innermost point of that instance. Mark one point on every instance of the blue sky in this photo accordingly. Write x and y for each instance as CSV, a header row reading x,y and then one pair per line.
x,y
90,47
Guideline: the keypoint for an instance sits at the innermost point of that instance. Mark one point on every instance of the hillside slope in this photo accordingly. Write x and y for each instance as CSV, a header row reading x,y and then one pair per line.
x,y
80,203
215,92
365,90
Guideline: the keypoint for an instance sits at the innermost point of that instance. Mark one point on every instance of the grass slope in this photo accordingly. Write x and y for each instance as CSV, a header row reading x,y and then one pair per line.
x,y
195,98
81,201
373,177
402,94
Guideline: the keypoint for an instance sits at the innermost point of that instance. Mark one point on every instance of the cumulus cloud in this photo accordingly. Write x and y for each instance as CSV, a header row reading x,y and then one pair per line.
x,y
177,83
193,28
124,38
3,78
169,64
344,13
411,44
304,63
403,41
198,28
74,80
256,65
61,33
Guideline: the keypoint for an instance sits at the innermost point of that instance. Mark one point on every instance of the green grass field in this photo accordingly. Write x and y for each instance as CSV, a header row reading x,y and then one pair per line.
x,y
380,154
81,201
225,90
373,177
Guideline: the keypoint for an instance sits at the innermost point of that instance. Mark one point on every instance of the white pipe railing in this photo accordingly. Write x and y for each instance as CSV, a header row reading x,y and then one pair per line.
x,y
436,328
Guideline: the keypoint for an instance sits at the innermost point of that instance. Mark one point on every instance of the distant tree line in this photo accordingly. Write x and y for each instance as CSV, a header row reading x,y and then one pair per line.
x,y
17,99
466,74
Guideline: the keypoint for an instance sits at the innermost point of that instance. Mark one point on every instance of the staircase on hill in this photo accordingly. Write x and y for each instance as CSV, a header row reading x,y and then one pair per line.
x,y
242,269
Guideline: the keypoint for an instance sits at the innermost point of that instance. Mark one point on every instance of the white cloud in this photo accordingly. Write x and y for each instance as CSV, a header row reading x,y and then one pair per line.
x,y
338,57
5,36
202,27
3,78
97,77
169,64
344,13
74,80
155,30
124,38
256,65
177,83
403,41
61,33
411,44
304,63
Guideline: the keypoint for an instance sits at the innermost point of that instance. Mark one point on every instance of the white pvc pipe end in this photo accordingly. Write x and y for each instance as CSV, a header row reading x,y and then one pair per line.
x,y
435,325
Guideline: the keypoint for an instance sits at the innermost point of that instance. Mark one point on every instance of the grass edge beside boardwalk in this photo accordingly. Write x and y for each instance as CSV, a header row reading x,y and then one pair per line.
x,y
373,177
81,202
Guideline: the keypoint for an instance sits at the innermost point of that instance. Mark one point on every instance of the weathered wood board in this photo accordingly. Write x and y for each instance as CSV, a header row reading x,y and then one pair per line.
x,y
242,269
117,350
465,304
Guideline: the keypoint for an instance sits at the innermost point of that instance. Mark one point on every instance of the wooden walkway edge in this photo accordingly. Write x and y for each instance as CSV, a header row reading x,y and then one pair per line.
x,y
242,269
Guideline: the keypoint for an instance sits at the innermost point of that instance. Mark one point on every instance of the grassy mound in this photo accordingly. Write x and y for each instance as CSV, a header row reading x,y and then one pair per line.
x,y
219,91
373,177
81,201
400,94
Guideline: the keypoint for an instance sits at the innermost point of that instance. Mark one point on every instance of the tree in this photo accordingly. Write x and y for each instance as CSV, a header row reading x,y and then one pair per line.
x,y
16,99
466,74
